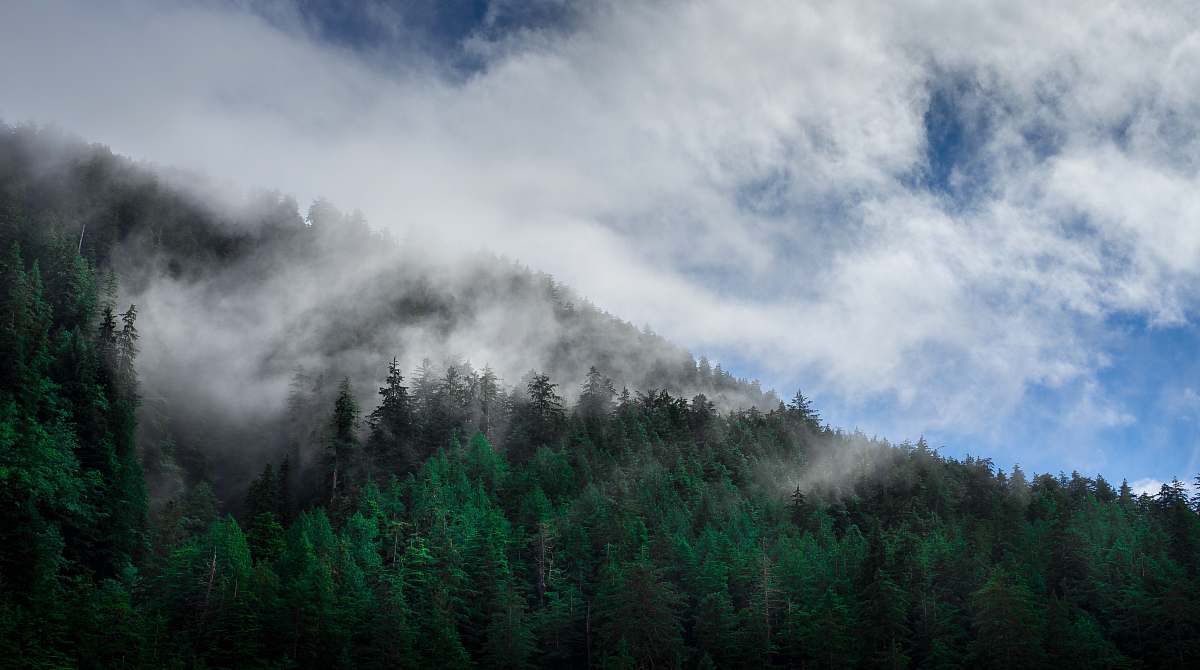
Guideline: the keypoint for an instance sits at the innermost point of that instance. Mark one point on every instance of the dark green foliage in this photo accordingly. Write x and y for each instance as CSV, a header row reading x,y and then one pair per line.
x,y
1008,623
539,421
472,525
72,498
596,396
390,444
637,531
637,612
342,455
630,539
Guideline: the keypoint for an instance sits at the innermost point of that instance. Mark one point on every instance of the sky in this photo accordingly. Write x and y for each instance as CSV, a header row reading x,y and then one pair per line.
x,y
977,222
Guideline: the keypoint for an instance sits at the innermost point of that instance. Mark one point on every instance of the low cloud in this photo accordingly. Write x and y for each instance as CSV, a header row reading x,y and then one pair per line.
x,y
1146,487
765,182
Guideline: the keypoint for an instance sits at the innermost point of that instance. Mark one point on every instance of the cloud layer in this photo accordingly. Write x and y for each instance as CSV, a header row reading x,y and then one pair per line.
x,y
934,207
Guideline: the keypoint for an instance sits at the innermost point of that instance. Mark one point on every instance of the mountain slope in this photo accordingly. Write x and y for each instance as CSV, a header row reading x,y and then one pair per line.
x,y
236,292
450,520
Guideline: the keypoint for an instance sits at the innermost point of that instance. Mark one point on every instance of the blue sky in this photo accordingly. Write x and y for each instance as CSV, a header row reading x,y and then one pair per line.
x,y
976,223
1151,380
1151,383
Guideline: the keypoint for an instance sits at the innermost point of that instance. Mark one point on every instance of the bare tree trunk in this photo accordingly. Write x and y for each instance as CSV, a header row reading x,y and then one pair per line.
x,y
212,575
541,563
766,587
333,492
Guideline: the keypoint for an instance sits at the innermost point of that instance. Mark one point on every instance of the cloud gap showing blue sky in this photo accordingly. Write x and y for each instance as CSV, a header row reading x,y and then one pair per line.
x,y
977,223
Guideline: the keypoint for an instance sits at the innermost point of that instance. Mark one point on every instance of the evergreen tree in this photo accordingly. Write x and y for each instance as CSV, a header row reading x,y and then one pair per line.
x,y
802,410
638,530
1007,622
343,441
390,443
539,420
885,607
595,396
489,396
636,614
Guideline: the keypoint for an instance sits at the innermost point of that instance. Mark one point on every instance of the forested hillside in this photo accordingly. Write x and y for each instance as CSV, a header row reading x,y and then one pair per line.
x,y
247,302
614,504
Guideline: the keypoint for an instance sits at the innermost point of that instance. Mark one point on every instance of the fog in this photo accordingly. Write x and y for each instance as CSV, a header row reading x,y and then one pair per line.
x,y
238,293
927,214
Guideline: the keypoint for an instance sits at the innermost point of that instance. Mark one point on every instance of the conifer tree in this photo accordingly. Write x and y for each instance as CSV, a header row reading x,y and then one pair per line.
x,y
489,398
1007,623
343,440
595,396
636,614
539,420
390,443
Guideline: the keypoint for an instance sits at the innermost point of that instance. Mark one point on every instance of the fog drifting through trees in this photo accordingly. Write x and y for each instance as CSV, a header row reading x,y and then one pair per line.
x,y
235,436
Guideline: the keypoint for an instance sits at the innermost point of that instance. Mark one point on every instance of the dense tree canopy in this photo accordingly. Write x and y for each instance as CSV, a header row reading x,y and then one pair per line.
x,y
456,521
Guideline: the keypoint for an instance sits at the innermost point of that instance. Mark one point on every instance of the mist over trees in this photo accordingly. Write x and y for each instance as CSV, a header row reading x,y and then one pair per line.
x,y
241,291
601,500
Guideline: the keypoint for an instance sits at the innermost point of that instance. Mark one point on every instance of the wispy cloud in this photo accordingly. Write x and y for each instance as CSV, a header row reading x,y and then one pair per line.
x,y
934,205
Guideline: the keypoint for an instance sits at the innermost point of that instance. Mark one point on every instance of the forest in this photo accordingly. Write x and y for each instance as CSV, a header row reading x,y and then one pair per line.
x,y
642,509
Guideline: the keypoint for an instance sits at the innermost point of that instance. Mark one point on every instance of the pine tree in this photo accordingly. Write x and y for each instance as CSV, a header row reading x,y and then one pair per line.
x,y
636,614
885,607
489,399
1125,494
343,440
704,372
126,351
390,443
596,395
540,419
1007,622
802,411
799,508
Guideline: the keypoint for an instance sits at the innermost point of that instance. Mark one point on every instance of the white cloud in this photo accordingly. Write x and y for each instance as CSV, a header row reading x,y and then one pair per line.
x,y
740,180
1146,486
1151,487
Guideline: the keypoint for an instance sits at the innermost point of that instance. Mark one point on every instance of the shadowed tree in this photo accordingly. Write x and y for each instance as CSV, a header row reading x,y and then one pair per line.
x,y
390,441
343,440
637,615
539,421
1007,622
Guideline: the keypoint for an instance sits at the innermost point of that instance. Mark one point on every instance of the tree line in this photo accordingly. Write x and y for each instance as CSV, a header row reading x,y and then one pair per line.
x,y
459,523
455,519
